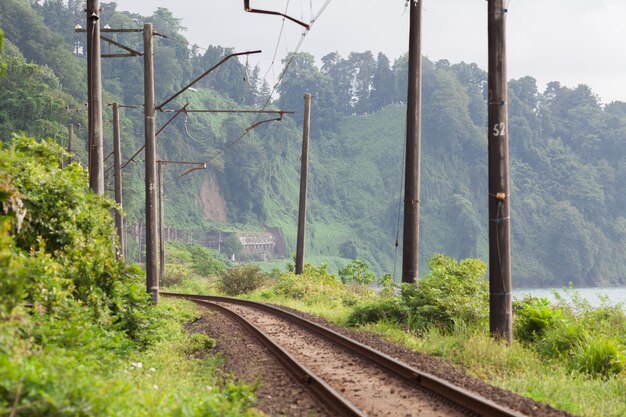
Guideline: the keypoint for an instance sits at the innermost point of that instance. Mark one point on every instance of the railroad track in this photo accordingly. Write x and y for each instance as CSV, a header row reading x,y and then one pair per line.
x,y
324,361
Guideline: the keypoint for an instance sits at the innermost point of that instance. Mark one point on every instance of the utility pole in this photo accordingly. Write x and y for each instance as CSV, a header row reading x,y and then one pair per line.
x,y
94,98
161,222
500,308
70,138
306,130
152,272
198,165
410,252
117,169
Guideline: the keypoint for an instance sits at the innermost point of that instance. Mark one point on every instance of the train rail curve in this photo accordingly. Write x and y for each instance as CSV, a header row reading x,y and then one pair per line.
x,y
323,360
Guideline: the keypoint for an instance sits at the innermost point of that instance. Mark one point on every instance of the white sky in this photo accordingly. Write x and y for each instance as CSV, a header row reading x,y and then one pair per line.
x,y
572,41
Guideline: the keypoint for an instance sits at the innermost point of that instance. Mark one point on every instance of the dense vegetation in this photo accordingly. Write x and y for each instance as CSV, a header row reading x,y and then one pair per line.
x,y
78,334
567,178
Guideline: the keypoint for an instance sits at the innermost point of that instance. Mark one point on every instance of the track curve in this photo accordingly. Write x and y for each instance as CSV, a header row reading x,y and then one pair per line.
x,y
449,393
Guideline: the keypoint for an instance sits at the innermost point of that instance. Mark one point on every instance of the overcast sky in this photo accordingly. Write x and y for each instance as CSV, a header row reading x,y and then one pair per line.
x,y
572,41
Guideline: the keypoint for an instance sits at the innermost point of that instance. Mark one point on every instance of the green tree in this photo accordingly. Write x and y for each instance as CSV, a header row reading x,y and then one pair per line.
x,y
302,76
2,66
39,44
31,100
231,246
336,67
383,84
358,272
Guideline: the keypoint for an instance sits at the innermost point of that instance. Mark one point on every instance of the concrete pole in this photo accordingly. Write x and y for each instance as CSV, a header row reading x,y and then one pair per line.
x,y
94,98
152,271
306,130
117,169
70,138
410,251
500,307
161,221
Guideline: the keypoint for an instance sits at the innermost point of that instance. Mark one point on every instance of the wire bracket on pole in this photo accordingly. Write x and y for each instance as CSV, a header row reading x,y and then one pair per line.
x,y
276,119
226,58
247,8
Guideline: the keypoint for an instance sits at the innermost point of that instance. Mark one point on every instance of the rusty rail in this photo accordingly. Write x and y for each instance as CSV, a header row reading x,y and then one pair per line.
x,y
320,389
460,396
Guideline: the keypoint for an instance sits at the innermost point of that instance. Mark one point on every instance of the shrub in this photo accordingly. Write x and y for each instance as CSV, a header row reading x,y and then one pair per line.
x,y
174,275
357,272
387,285
453,293
207,262
63,238
199,343
241,280
599,358
450,293
560,339
391,309
231,246
533,317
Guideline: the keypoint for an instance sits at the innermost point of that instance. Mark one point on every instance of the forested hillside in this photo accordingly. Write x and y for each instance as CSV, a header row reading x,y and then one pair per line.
x,y
567,148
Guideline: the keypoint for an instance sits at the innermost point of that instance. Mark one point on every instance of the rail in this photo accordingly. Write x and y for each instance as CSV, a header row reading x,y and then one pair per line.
x,y
462,397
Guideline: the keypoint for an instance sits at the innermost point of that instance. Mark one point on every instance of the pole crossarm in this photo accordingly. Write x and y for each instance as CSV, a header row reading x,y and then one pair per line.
x,y
198,165
111,30
131,51
207,72
280,113
132,158
183,110
247,8
259,123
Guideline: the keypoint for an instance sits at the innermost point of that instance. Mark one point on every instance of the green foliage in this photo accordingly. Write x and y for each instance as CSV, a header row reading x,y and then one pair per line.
x,y
74,328
199,343
185,261
38,43
599,358
207,262
241,279
387,284
390,310
452,293
356,271
72,366
586,339
31,100
61,248
174,275
533,317
560,339
232,246
2,66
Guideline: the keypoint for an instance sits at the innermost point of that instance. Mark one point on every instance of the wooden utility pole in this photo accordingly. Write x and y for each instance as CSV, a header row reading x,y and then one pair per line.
x,y
304,159
161,222
410,252
94,98
117,171
152,271
500,308
70,138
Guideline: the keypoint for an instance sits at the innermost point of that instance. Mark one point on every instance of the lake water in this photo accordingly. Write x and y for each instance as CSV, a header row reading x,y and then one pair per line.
x,y
616,295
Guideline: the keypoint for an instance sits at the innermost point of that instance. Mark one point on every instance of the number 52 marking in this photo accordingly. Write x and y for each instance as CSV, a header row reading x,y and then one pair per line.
x,y
499,129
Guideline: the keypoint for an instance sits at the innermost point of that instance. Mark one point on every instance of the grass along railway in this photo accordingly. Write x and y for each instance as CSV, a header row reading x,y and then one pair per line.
x,y
447,398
